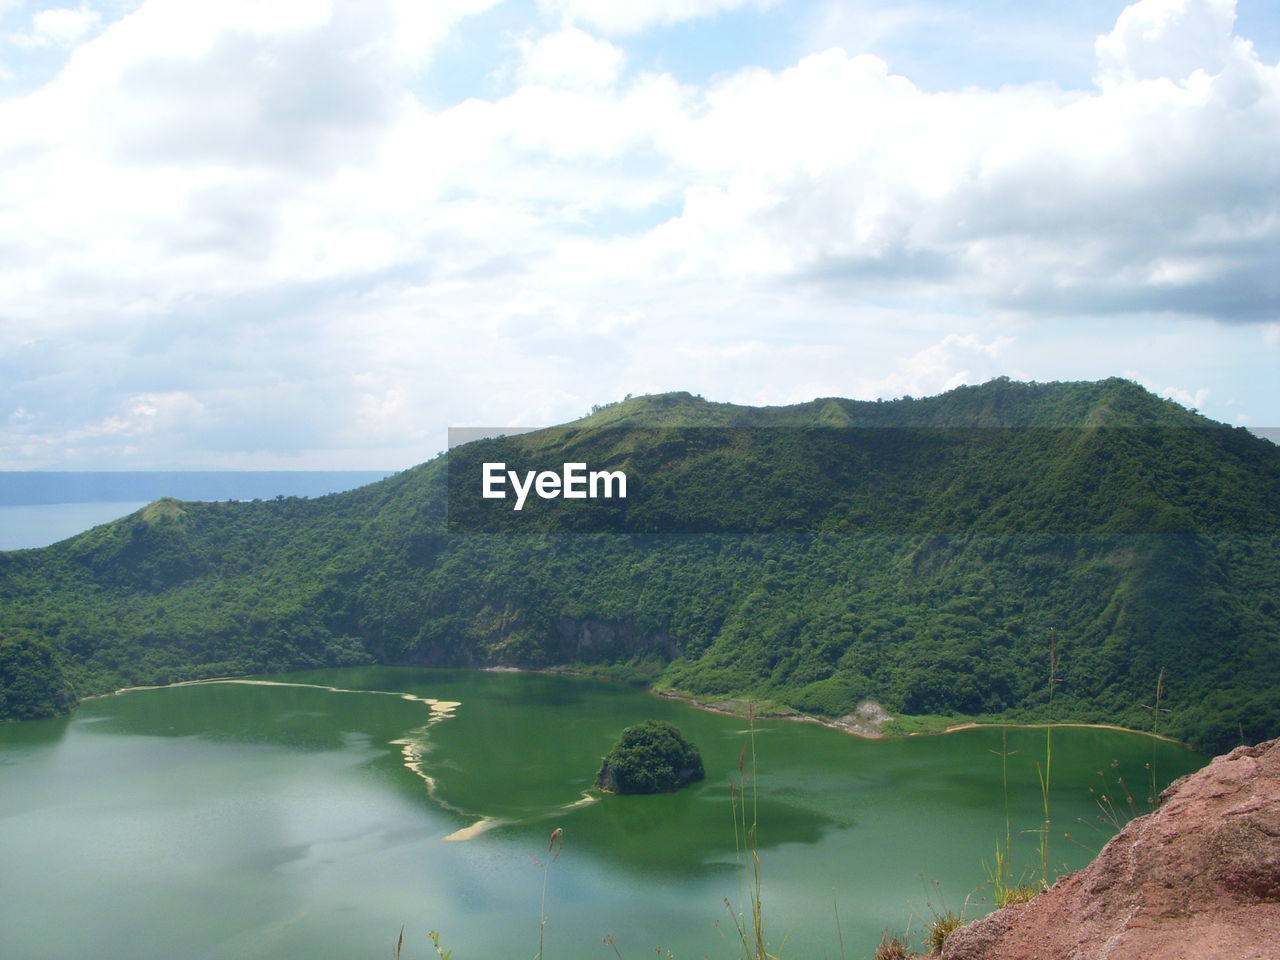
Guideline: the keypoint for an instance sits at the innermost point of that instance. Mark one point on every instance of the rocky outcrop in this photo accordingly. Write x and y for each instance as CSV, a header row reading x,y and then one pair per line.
x,y
865,721
600,641
1198,879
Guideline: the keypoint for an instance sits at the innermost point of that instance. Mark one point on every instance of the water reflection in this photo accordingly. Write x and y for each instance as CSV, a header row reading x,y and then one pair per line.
x,y
32,733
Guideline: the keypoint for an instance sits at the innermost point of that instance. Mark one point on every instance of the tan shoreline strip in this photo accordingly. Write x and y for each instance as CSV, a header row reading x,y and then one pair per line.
x,y
954,728
411,745
482,825
973,725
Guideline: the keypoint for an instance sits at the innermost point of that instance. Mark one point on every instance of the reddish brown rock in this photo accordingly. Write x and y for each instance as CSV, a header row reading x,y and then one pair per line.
x,y
1198,879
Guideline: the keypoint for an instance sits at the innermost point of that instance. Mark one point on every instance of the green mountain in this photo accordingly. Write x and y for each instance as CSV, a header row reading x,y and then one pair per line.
x,y
921,552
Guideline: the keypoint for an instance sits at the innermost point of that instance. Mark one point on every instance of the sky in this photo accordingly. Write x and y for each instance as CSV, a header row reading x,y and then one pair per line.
x,y
298,234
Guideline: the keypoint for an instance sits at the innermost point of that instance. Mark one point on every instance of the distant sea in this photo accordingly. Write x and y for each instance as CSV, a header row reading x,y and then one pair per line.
x,y
38,508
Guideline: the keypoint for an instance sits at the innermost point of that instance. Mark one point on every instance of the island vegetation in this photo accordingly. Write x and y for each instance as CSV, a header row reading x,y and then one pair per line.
x,y
650,757
917,551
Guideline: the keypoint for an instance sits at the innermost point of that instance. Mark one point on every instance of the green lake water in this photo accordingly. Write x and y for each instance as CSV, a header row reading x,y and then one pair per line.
x,y
233,820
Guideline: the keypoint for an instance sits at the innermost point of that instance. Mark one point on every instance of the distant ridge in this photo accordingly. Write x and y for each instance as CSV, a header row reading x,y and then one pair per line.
x,y
1001,402
31,487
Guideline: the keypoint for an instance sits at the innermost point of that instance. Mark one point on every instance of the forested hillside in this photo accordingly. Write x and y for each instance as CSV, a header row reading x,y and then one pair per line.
x,y
918,551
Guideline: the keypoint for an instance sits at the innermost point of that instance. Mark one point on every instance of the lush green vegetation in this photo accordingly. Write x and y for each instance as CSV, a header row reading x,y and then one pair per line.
x,y
650,757
32,685
917,551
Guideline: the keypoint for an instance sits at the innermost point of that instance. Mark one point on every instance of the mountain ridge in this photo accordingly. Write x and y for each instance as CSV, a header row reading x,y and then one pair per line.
x,y
1001,401
918,551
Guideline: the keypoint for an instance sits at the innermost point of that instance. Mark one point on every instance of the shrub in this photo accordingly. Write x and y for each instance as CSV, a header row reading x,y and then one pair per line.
x,y
941,928
892,947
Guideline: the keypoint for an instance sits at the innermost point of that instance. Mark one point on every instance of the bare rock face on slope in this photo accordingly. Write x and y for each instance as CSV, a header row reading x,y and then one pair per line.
x,y
1198,879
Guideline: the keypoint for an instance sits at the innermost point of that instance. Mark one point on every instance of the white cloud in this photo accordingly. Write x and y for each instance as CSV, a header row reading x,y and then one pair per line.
x,y
60,27
1191,399
1047,201
571,58
1168,39
944,365
172,410
170,415
616,19
289,147
250,213
197,151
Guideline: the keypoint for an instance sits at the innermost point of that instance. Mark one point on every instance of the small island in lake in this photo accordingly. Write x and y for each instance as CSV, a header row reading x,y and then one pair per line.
x,y
650,757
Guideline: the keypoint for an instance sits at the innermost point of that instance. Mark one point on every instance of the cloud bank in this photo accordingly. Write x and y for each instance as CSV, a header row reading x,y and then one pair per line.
x,y
246,233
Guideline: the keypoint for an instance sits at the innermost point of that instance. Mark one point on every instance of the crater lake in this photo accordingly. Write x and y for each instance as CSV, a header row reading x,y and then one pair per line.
x,y
316,814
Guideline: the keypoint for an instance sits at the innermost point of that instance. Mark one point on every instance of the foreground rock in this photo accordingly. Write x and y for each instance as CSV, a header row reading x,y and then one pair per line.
x,y
1199,879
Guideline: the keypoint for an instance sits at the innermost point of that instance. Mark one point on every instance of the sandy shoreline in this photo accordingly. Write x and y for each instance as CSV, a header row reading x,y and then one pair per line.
x,y
971,724
855,729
